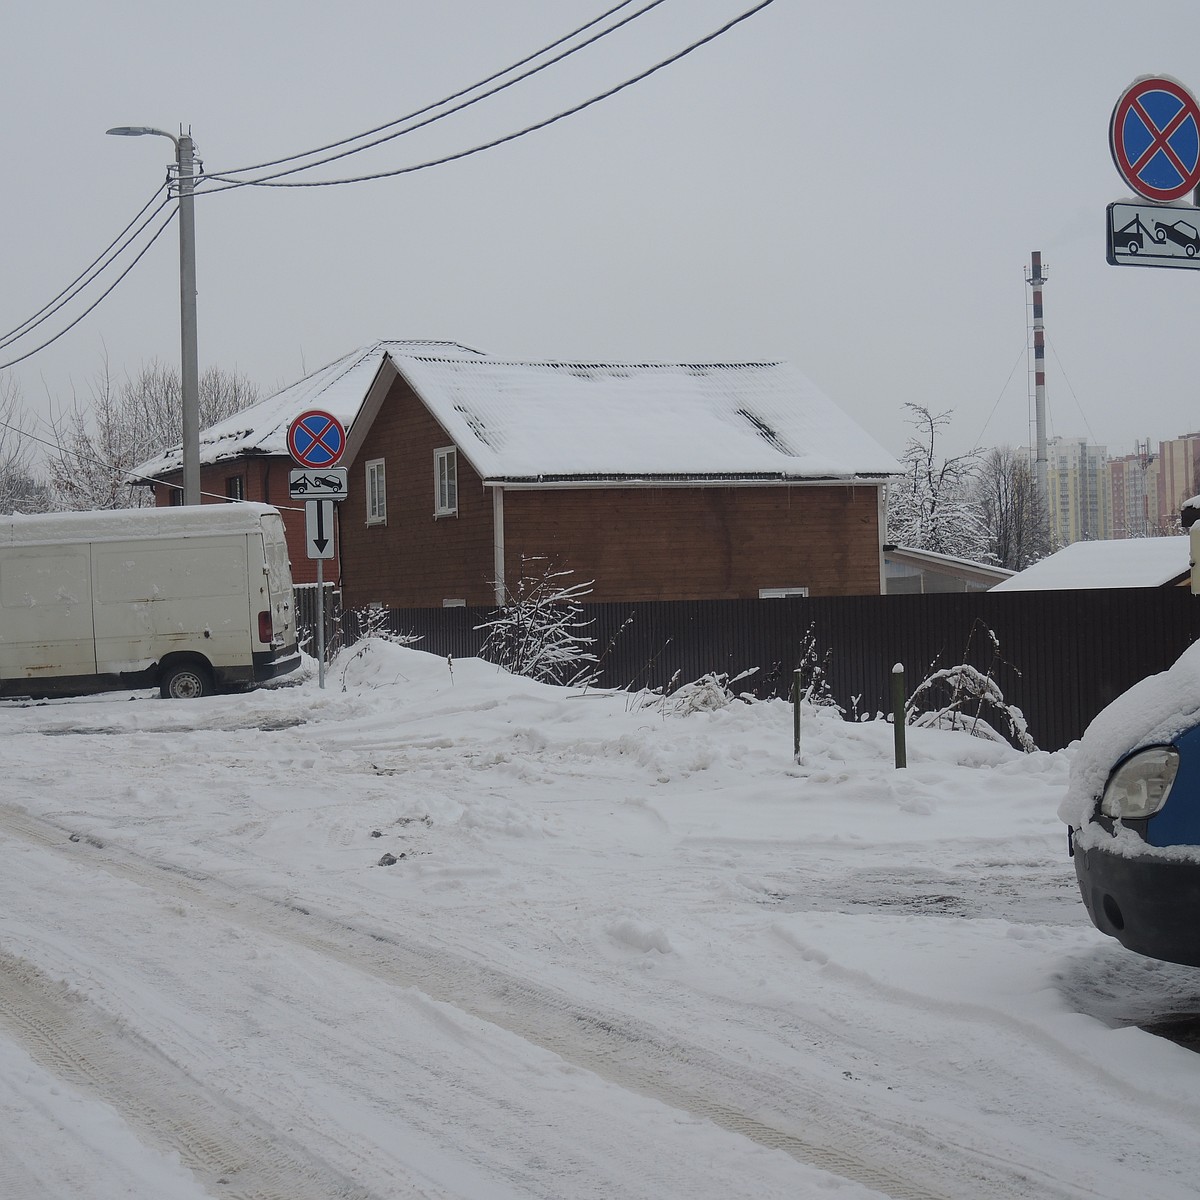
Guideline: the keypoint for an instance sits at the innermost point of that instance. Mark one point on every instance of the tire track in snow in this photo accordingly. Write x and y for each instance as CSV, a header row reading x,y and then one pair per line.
x,y
227,1147
782,1112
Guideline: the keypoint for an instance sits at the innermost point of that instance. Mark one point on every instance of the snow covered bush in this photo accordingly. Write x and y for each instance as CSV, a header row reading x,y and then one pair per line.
x,y
706,694
814,673
539,633
965,698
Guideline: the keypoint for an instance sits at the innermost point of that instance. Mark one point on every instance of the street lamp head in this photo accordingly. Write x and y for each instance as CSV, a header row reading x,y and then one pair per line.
x,y
139,131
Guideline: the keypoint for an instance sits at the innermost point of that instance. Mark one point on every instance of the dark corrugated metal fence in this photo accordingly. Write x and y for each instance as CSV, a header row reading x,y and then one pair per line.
x,y
1062,656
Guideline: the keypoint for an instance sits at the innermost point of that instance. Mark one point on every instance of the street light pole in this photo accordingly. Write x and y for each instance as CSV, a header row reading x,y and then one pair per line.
x,y
189,370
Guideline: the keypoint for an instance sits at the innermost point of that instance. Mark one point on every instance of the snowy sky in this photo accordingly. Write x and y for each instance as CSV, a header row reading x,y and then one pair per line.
x,y
856,187
441,934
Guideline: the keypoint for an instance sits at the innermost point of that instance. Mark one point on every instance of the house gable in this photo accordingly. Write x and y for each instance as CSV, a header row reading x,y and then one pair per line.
x,y
415,558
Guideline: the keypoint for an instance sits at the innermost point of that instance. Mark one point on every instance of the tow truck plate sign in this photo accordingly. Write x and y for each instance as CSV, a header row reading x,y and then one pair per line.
x,y
318,483
1153,235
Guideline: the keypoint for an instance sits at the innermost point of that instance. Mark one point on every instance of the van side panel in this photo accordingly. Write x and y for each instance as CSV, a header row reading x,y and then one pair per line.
x,y
179,595
91,601
45,612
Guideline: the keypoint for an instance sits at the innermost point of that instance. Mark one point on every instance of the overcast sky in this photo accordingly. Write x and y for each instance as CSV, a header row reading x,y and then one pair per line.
x,y
853,186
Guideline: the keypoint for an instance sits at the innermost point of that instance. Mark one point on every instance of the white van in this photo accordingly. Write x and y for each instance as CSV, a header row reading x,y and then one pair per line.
x,y
190,599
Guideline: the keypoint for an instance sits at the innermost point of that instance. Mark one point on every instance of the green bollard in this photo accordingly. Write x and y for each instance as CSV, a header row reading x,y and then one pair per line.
x,y
899,695
796,715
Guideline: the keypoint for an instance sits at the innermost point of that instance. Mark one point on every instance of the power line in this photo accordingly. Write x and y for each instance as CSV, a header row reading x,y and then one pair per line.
x,y
1067,381
420,112
1020,355
273,180
90,273
103,296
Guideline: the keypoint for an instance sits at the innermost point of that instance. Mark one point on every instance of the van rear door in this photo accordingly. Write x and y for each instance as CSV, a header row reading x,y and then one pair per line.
x,y
279,582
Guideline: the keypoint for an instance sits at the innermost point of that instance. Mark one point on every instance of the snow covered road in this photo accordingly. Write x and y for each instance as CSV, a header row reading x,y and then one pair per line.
x,y
616,951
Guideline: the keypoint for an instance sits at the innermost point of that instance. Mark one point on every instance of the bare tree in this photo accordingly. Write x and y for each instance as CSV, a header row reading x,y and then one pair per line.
x,y
20,490
932,507
98,444
1012,510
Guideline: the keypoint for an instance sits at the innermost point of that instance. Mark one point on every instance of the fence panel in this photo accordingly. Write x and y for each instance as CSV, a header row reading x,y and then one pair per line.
x,y
1062,655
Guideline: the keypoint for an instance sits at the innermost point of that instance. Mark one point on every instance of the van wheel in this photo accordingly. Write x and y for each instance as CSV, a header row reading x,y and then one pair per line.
x,y
186,681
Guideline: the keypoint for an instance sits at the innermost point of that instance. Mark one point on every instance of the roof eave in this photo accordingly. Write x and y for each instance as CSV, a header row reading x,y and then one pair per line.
x,y
651,480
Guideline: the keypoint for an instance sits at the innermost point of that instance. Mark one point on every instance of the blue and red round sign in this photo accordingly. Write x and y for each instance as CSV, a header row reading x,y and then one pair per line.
x,y
1154,136
316,439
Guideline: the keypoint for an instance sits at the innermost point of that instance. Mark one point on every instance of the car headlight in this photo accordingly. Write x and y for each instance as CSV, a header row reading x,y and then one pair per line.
x,y
1139,787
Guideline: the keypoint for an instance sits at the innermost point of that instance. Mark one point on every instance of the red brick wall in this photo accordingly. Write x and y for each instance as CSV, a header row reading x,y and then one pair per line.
x,y
701,543
415,559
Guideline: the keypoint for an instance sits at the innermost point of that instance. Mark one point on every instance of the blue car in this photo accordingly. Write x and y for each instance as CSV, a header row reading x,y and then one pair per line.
x,y
1133,805
1137,857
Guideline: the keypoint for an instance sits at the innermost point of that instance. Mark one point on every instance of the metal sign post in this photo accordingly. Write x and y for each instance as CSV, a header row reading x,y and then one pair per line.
x,y
316,441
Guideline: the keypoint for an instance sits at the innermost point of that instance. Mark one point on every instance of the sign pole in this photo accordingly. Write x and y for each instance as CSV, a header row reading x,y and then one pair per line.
x,y
320,622
316,441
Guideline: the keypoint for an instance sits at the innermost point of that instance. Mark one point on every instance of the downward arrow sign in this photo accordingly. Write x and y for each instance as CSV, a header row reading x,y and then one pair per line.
x,y
320,541
318,528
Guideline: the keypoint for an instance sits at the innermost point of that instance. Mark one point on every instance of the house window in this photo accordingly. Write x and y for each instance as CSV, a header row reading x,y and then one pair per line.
x,y
235,488
176,494
376,493
779,593
445,474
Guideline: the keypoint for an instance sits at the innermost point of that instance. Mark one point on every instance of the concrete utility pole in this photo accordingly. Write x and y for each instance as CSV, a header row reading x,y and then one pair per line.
x,y
189,370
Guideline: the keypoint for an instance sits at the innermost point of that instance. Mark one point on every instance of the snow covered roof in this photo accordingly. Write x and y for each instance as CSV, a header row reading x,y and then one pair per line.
x,y
555,421
123,524
1132,562
967,568
550,421
338,388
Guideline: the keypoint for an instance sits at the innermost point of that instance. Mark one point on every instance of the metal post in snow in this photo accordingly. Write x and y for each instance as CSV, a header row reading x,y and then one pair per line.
x,y
899,696
796,714
321,622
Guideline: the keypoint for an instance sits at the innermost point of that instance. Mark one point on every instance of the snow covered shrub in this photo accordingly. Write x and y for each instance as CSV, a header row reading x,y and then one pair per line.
x,y
814,672
706,694
966,698
539,633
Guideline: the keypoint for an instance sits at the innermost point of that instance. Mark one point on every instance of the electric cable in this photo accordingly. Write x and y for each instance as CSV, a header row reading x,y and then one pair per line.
x,y
274,181
103,296
1067,381
225,176
420,112
81,281
21,329
135,477
1020,355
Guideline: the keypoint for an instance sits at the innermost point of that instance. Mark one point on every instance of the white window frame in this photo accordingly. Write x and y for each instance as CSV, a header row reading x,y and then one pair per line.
x,y
376,492
445,482
780,593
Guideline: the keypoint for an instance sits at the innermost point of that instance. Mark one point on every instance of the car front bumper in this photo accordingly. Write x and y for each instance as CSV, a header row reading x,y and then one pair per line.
x,y
1148,904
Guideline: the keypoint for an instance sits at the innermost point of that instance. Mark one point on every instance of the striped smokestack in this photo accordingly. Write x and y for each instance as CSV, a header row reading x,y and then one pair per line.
x,y
1035,279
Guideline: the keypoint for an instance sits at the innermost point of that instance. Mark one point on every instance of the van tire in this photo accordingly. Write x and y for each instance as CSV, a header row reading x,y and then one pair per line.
x,y
186,681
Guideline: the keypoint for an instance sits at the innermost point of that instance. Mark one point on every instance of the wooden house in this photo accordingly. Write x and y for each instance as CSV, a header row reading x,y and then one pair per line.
x,y
650,481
